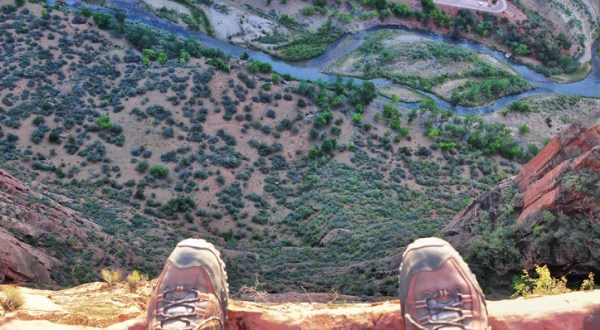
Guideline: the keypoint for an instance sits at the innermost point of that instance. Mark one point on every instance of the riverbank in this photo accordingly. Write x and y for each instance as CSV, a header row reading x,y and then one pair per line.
x,y
452,73
295,31
311,69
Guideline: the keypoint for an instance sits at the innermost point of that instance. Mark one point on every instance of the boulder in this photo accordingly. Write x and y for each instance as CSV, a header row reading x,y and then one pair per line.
x,y
20,262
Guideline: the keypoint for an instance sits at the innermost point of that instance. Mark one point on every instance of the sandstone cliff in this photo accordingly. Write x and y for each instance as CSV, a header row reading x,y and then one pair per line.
x,y
94,306
548,214
29,221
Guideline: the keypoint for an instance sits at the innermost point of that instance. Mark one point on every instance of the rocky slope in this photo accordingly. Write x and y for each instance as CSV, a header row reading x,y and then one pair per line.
x,y
38,230
94,306
550,211
27,216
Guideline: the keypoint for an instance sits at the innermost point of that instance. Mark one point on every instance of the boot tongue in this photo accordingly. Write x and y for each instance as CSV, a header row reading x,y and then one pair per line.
x,y
178,323
439,313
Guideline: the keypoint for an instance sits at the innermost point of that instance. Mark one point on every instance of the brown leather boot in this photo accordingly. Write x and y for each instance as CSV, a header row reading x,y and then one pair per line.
x,y
438,290
192,290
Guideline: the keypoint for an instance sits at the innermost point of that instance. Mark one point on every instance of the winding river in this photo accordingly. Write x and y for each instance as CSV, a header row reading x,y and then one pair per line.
x,y
311,69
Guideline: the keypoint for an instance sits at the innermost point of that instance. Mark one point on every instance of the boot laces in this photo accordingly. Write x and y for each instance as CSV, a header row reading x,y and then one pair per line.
x,y
182,308
445,309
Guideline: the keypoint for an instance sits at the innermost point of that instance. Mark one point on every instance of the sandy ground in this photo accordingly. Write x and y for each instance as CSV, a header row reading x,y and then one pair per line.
x,y
241,27
544,107
157,4
483,5
404,94
445,89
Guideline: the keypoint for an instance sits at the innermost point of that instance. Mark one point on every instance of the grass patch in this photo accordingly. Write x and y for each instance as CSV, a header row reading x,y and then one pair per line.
x,y
555,103
307,47
311,45
168,14
198,18
581,73
480,92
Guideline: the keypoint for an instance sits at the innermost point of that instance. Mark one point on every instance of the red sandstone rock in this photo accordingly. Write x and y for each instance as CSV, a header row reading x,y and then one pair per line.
x,y
573,141
21,214
100,306
546,191
547,188
21,262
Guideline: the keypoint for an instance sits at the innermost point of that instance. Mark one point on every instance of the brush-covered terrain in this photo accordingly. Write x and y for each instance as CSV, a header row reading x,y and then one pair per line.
x,y
554,37
312,186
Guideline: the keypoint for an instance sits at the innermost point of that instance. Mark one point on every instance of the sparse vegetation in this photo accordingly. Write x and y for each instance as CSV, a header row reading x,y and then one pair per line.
x,y
11,299
111,276
543,284
588,283
134,279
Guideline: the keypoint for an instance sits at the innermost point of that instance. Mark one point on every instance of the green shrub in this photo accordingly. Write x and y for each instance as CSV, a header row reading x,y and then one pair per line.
x,y
519,106
142,166
159,171
102,20
104,122
543,284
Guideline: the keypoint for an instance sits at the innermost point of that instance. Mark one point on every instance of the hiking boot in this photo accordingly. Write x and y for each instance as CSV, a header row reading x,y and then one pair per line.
x,y
192,290
438,290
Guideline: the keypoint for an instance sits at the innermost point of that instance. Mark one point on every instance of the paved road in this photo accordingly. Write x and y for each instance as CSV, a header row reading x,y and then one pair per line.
x,y
476,4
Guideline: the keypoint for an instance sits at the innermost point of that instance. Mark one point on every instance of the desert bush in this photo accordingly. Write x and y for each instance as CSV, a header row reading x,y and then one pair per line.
x,y
12,300
179,204
134,279
111,277
159,171
543,284
142,166
588,284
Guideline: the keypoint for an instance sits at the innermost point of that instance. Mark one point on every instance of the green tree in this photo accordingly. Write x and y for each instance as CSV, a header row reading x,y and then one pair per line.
x,y
314,152
522,50
184,56
162,58
102,20
328,145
